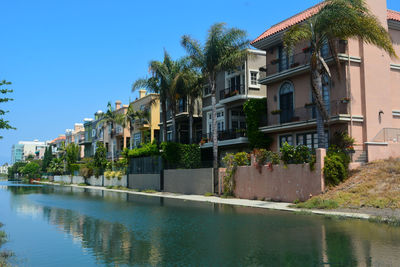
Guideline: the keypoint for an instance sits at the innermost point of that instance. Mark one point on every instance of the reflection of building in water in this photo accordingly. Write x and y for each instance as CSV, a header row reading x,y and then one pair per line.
x,y
120,229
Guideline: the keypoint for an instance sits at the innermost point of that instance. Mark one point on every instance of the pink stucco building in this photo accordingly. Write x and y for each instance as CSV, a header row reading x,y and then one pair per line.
x,y
365,101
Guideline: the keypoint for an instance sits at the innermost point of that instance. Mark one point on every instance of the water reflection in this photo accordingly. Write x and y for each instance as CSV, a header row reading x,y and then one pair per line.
x,y
125,229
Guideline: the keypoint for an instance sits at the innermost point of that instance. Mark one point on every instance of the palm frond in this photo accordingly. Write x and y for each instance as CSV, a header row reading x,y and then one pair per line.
x,y
297,34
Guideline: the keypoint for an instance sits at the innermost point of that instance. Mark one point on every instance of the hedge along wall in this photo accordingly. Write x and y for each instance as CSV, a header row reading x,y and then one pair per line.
x,y
280,183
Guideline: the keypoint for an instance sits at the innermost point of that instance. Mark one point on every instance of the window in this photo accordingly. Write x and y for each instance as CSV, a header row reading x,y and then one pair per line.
x,y
285,138
325,49
207,90
220,121
169,133
93,132
286,102
137,138
285,59
309,139
253,77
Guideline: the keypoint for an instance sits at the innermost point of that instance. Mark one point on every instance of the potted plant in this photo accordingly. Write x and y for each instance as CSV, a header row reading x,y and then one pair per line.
x,y
275,112
235,92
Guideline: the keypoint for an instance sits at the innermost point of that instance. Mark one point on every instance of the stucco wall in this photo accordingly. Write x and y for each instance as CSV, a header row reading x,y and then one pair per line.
x,y
189,181
383,151
96,181
281,183
115,182
144,181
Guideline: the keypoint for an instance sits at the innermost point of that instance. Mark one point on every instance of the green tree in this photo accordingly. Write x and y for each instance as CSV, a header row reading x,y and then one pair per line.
x,y
4,124
47,158
190,83
337,20
224,50
56,166
131,116
164,75
111,119
31,170
72,156
16,169
100,158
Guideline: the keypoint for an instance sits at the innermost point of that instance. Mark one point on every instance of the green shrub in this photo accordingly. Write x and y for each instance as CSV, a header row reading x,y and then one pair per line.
x,y
231,162
254,109
318,203
181,155
148,149
295,155
31,170
241,159
334,170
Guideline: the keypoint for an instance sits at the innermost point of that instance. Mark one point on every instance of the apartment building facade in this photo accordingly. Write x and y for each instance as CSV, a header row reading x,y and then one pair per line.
x,y
364,102
147,128
75,136
233,89
182,122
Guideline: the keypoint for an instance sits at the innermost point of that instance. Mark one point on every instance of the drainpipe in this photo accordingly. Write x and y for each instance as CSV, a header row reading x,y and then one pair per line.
x,y
349,89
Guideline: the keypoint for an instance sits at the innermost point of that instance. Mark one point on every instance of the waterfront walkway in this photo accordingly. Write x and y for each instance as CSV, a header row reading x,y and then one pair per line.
x,y
283,206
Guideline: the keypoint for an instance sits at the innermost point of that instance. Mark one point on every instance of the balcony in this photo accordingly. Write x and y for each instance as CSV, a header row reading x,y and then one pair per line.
x,y
119,131
231,92
227,137
294,64
303,116
141,124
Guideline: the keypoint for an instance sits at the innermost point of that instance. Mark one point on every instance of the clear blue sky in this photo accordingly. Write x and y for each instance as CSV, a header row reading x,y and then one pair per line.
x,y
68,58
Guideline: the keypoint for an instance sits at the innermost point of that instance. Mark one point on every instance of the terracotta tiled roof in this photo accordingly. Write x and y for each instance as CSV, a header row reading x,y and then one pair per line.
x,y
393,15
302,16
57,139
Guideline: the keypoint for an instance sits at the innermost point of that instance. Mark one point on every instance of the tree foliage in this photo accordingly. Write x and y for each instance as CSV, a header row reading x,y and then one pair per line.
x,y
254,109
100,158
47,158
5,124
72,156
31,170
224,50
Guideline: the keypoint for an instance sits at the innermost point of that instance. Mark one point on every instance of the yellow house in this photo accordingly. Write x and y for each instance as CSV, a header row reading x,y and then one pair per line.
x,y
146,129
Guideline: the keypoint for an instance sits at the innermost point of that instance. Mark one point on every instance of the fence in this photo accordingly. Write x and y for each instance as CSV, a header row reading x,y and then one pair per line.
x,y
145,165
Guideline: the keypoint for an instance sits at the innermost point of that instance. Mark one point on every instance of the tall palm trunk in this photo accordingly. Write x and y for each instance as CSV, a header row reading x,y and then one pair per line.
x,y
174,139
164,119
131,135
190,121
317,81
214,128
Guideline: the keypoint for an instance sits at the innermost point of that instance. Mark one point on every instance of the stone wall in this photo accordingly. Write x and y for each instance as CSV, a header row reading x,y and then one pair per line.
x,y
280,183
144,181
189,181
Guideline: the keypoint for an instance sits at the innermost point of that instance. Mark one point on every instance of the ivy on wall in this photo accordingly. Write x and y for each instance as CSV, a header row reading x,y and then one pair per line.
x,y
254,110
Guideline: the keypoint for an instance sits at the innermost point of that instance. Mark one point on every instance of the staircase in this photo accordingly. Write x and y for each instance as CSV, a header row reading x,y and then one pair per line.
x,y
362,157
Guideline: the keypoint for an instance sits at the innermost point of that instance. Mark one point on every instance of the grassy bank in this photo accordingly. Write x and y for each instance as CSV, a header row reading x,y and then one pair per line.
x,y
375,185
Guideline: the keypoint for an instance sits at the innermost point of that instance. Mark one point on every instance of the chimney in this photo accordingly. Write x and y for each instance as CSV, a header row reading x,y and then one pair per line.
x,y
142,93
117,105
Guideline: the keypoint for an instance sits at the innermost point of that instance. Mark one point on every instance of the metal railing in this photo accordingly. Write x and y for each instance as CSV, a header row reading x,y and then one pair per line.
x,y
232,91
294,61
226,135
306,113
391,135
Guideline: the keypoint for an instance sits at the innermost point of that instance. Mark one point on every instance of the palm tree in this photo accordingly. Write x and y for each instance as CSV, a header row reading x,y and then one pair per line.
x,y
191,83
336,20
224,49
162,82
110,119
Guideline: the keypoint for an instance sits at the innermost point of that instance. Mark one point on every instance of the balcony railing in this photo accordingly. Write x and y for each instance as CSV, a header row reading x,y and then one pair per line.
x,y
232,91
304,114
294,61
226,135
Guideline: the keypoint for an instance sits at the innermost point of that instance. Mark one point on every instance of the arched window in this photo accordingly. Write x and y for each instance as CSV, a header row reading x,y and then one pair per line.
x,y
286,102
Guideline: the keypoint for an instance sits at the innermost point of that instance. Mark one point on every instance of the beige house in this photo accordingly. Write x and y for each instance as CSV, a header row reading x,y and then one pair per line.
x,y
233,88
146,129
365,102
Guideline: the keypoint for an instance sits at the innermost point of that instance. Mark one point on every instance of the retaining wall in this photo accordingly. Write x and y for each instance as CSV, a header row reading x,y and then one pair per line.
x,y
69,179
115,182
189,181
280,183
95,181
378,151
145,181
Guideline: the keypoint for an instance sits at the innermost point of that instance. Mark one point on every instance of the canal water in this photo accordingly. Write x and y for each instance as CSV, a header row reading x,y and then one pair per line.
x,y
68,226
